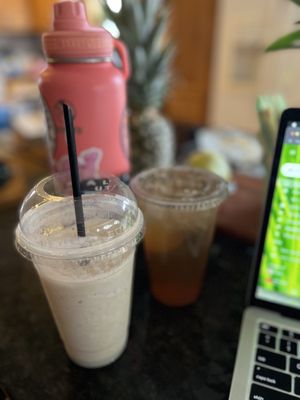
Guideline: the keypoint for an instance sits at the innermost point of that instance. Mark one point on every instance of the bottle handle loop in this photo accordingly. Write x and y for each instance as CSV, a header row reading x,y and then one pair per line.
x,y
121,49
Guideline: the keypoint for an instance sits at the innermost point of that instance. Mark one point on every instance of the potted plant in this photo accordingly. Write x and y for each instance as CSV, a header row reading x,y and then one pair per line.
x,y
289,41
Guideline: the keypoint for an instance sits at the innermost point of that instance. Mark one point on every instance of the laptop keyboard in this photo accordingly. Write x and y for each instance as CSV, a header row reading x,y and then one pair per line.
x,y
276,374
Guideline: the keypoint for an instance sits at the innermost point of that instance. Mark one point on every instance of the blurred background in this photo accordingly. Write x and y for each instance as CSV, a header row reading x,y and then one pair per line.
x,y
222,79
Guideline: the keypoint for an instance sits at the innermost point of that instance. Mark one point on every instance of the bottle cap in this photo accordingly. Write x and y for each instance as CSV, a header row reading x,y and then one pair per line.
x,y
72,37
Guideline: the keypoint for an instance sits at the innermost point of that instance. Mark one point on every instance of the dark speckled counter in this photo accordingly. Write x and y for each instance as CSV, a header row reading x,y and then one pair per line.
x,y
172,354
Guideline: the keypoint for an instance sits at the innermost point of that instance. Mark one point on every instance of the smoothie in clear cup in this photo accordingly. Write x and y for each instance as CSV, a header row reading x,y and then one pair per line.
x,y
179,205
87,280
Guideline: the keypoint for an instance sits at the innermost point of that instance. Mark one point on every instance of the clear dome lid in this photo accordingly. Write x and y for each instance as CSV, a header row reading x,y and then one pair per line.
x,y
180,187
47,224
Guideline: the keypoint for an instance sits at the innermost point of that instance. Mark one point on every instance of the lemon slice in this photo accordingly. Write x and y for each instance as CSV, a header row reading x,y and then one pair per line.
x,y
211,161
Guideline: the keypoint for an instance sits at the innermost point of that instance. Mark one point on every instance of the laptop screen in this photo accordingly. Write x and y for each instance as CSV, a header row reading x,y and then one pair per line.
x,y
279,270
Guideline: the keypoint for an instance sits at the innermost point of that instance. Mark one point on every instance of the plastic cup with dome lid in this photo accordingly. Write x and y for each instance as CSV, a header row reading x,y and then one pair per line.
x,y
87,279
179,205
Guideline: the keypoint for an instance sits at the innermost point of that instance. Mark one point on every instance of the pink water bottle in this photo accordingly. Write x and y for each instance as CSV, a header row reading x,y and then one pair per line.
x,y
81,73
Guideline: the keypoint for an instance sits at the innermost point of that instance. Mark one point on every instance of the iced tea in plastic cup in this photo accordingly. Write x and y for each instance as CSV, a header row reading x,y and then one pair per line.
x,y
179,206
87,280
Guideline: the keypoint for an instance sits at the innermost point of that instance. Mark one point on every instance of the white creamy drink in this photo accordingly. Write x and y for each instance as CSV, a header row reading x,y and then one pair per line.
x,y
92,316
87,280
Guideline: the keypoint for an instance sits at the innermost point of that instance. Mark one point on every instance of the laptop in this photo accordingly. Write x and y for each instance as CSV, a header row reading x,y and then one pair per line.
x,y
267,365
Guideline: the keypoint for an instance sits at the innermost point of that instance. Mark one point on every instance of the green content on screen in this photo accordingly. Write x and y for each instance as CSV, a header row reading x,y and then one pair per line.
x,y
279,274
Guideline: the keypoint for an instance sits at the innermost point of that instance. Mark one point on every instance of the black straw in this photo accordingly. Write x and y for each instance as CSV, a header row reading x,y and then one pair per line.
x,y
74,170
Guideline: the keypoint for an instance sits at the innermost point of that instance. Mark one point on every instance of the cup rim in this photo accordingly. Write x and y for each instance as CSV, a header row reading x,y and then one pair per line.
x,y
102,250
202,202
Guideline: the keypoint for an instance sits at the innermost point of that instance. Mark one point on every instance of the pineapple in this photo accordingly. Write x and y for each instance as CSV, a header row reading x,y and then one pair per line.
x,y
142,25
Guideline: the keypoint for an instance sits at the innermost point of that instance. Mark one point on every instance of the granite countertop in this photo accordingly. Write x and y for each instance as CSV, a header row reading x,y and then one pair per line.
x,y
173,354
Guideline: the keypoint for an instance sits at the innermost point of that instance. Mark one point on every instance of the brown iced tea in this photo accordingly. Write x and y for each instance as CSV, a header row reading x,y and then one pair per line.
x,y
177,255
179,206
